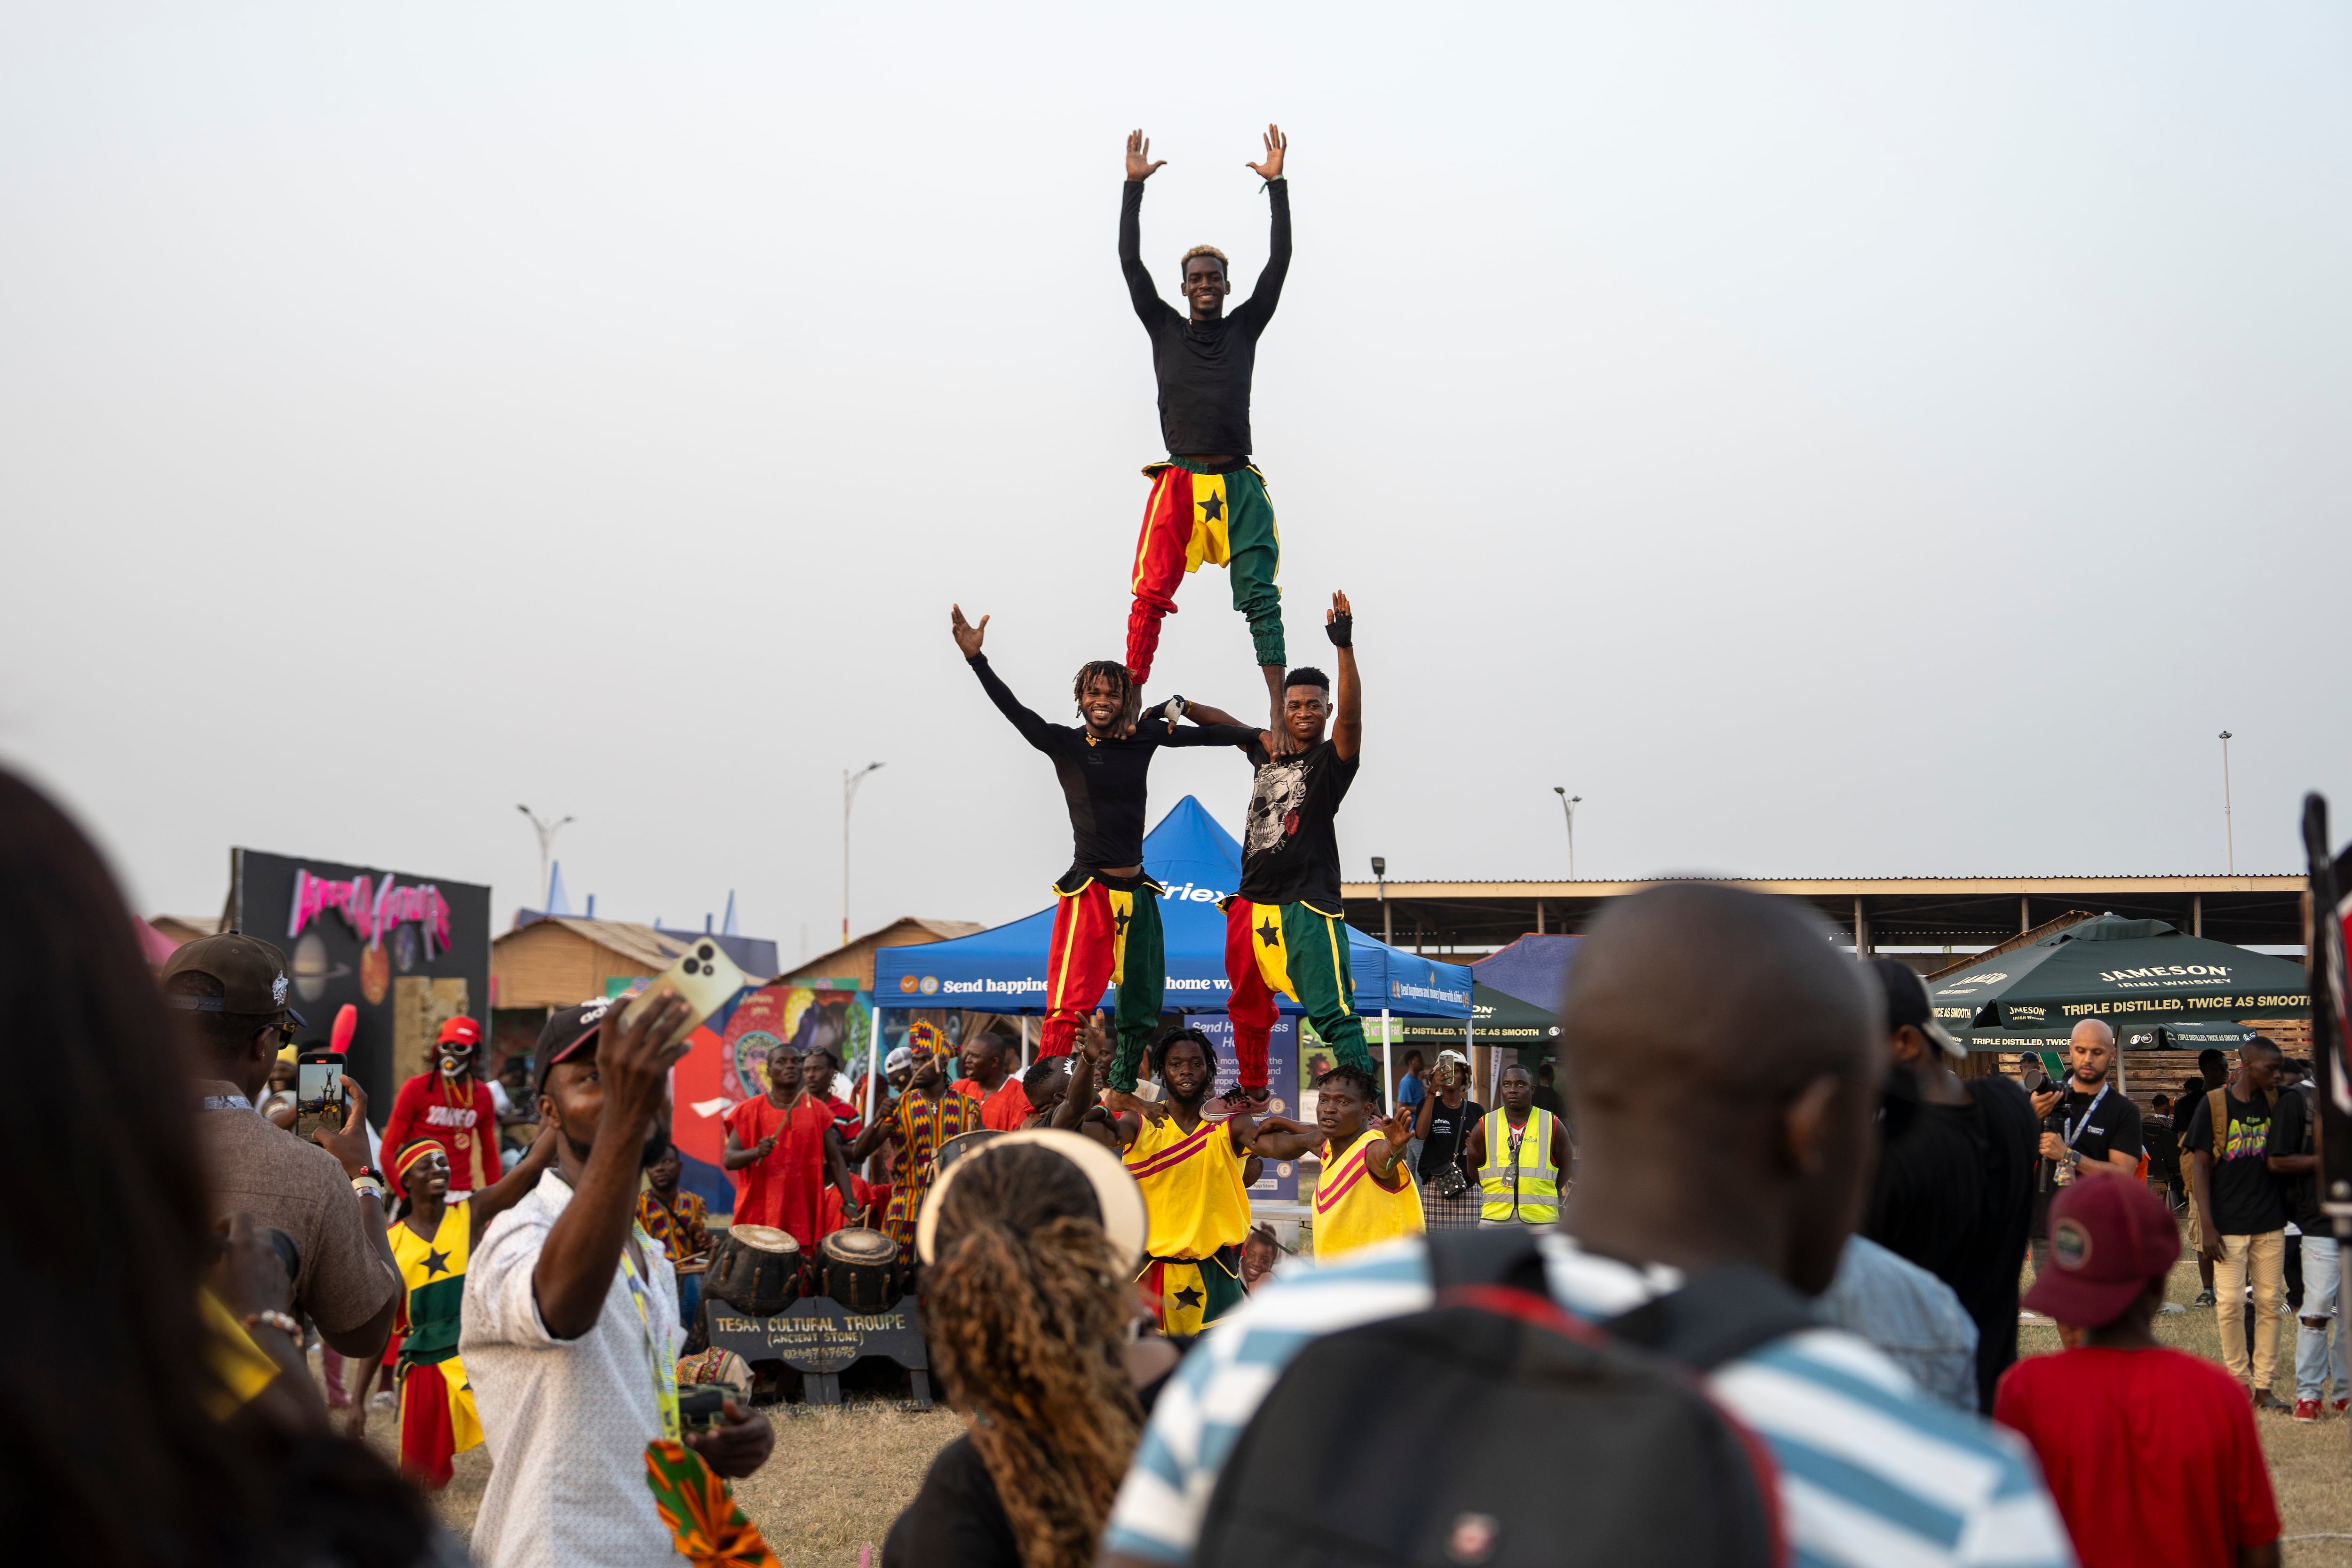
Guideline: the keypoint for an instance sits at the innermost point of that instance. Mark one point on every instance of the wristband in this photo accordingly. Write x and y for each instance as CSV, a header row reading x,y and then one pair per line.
x,y
1341,630
1175,708
367,1188
278,1320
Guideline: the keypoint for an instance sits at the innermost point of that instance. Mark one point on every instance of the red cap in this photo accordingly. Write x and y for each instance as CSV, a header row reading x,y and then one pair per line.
x,y
2109,1236
463,1030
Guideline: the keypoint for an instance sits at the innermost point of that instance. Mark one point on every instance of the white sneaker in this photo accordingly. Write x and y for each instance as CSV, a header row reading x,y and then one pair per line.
x,y
383,1401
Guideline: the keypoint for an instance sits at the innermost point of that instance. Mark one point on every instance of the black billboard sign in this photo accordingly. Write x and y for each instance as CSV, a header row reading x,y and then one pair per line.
x,y
406,952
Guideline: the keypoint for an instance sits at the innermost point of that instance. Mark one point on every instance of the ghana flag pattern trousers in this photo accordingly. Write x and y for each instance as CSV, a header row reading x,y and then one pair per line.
x,y
1302,952
1223,519
1106,934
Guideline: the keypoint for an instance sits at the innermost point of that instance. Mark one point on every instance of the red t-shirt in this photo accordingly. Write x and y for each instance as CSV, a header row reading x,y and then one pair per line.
x,y
468,1134
2151,1455
785,1190
1004,1110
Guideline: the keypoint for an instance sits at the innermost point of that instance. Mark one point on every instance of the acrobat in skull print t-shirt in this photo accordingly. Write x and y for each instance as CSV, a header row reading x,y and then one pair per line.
x,y
1290,853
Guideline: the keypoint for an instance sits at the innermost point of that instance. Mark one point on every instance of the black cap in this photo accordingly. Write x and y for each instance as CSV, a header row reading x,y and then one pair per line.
x,y
251,973
566,1034
1907,1003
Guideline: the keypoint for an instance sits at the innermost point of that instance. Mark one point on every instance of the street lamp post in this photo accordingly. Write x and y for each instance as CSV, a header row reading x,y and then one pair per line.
x,y
1380,876
1568,805
547,831
849,783
2229,834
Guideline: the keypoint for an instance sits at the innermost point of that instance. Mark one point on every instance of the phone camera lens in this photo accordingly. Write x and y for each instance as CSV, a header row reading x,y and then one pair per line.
x,y
691,967
704,951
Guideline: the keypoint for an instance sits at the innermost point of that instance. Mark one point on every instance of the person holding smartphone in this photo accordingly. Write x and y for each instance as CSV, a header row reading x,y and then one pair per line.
x,y
231,991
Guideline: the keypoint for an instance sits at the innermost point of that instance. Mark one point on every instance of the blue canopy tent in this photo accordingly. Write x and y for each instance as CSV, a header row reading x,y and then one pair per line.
x,y
1003,970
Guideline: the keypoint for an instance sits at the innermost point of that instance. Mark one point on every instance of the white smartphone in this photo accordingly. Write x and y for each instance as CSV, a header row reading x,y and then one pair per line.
x,y
704,975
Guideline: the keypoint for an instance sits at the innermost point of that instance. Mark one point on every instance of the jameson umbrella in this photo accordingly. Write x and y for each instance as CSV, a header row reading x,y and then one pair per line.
x,y
2136,975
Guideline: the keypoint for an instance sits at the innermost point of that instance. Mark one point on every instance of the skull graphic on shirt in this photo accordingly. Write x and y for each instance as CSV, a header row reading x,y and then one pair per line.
x,y
1274,798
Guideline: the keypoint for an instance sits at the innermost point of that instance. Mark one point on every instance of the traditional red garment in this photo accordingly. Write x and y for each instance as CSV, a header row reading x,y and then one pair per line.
x,y
1004,1110
785,1190
456,1114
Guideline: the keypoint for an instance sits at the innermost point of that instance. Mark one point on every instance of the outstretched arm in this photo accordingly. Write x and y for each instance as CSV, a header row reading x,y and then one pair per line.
x,y
1217,718
1148,303
1033,730
1259,306
1281,1138
507,1189
1348,721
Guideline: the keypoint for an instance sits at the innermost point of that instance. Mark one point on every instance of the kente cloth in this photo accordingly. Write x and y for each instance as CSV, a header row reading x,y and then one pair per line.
x,y
785,1190
438,1420
706,1524
921,1126
1223,518
678,1223
430,1106
1188,1295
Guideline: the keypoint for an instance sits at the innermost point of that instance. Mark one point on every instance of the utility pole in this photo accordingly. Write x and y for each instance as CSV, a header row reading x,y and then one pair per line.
x,y
547,831
2229,833
1568,805
849,783
1380,876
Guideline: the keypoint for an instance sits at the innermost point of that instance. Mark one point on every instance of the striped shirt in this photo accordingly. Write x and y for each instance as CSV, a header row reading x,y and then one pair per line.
x,y
1871,1472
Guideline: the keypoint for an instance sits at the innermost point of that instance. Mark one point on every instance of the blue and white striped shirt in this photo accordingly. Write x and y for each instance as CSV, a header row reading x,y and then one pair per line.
x,y
1871,1472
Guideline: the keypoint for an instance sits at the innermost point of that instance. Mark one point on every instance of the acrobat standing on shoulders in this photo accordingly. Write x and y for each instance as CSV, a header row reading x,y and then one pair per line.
x,y
1208,502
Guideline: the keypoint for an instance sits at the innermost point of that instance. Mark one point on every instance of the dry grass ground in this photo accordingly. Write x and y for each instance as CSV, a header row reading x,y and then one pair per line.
x,y
840,1476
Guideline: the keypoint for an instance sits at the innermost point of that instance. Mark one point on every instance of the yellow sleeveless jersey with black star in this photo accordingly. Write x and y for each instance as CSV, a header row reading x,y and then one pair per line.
x,y
433,1285
1192,1188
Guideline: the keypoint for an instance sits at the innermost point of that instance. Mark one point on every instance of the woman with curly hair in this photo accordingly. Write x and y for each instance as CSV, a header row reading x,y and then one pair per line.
x,y
1029,1243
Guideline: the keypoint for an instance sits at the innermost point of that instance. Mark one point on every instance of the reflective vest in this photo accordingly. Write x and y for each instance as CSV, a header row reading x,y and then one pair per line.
x,y
1522,1185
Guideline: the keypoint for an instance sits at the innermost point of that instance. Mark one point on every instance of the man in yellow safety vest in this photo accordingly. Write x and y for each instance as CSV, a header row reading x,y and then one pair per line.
x,y
1519,1153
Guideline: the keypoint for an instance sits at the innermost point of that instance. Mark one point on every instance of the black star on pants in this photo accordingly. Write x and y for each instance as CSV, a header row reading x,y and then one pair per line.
x,y
436,1263
1120,920
1190,1297
1270,934
1213,508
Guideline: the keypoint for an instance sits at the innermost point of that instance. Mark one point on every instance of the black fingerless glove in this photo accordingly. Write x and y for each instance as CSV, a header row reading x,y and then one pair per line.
x,y
1341,630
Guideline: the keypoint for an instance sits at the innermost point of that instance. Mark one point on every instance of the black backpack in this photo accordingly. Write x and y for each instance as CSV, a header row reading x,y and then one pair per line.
x,y
1495,1431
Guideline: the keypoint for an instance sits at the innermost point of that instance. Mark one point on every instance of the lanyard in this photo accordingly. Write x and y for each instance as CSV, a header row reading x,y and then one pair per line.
x,y
663,1364
2075,1129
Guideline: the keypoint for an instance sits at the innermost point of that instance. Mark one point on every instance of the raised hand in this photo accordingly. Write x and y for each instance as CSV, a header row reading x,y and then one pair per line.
x,y
1139,165
1340,621
1277,144
967,636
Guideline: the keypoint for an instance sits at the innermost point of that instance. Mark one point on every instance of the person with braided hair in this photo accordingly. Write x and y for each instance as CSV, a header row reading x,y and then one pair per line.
x,y
1106,911
1028,1246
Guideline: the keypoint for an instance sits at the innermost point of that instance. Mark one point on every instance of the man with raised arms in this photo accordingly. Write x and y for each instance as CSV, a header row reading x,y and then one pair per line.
x,y
1106,911
1286,929
1366,1192
1208,503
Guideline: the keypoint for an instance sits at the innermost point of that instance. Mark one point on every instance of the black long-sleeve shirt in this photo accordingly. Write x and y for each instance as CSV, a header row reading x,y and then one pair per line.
x,y
1204,367
1103,780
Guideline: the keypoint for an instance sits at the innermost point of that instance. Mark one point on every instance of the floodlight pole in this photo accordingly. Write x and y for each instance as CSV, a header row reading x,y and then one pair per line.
x,y
849,783
2229,833
547,831
1568,806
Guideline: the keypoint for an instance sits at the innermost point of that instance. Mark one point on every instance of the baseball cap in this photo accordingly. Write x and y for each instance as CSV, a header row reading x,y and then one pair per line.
x,y
567,1032
2109,1236
1907,1003
251,973
462,1029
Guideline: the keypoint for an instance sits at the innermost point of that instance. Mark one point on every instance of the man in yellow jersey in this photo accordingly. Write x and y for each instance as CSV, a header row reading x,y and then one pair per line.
x,y
432,1239
1518,1153
1366,1193
1194,1184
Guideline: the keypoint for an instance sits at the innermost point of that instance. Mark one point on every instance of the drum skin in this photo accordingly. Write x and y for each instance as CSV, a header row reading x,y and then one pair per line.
x,y
860,1268
758,1270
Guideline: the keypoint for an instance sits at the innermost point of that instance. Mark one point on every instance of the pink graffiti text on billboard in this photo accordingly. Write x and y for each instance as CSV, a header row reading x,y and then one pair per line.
x,y
371,911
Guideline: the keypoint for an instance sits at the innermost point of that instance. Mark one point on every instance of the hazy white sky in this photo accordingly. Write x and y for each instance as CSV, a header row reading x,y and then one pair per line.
x,y
1832,439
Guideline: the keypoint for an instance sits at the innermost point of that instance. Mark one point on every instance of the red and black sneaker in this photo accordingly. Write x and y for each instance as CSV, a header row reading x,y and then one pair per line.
x,y
1237,1101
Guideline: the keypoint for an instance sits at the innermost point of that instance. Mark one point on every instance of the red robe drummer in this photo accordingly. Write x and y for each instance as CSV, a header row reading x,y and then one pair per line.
x,y
781,1149
453,1106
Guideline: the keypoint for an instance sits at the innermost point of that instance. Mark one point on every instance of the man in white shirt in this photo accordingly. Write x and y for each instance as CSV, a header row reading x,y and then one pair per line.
x,y
570,1336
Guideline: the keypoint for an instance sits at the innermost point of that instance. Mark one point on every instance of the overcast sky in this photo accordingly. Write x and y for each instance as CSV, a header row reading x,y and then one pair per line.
x,y
1833,440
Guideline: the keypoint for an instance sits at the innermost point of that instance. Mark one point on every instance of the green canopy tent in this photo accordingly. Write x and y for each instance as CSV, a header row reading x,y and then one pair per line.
x,y
2141,977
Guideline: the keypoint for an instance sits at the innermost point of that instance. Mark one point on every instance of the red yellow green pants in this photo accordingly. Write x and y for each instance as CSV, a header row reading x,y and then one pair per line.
x,y
438,1421
1225,520
1106,935
1302,952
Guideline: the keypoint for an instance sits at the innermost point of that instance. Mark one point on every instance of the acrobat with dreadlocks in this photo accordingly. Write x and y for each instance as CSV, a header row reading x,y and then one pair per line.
x,y
1208,503
1106,911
